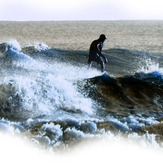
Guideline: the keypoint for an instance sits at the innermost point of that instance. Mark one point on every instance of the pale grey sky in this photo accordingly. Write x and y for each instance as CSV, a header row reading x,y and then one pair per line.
x,y
80,9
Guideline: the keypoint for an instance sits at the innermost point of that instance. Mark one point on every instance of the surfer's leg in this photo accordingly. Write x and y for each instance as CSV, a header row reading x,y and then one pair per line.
x,y
102,65
89,63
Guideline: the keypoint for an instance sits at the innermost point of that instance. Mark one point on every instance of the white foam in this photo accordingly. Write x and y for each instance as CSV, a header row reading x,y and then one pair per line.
x,y
55,129
150,66
14,45
119,124
13,55
46,88
11,127
139,121
75,134
41,47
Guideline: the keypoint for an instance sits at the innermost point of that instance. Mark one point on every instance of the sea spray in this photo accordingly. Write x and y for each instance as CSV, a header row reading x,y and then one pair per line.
x,y
148,65
43,88
60,103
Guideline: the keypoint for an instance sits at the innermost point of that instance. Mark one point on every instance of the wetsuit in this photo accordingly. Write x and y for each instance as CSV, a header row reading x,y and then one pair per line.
x,y
95,52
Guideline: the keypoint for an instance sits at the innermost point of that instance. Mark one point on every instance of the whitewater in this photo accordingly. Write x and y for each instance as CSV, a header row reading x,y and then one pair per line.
x,y
49,97
39,93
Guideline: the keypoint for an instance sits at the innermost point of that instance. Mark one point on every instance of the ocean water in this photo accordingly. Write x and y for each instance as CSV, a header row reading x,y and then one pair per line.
x,y
50,97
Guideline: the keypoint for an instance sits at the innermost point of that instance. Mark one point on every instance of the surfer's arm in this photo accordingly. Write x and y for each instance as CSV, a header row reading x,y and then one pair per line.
x,y
99,48
95,46
105,59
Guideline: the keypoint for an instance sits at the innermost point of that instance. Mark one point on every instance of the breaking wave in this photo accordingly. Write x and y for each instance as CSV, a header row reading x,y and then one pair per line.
x,y
51,94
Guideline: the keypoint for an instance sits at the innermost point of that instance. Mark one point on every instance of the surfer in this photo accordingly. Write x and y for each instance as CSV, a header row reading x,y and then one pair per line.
x,y
95,52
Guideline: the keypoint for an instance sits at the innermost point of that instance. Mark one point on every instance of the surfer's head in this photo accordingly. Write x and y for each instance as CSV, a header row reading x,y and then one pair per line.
x,y
102,37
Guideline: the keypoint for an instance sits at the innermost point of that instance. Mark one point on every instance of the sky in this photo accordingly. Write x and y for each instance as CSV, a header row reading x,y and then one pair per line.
x,y
24,10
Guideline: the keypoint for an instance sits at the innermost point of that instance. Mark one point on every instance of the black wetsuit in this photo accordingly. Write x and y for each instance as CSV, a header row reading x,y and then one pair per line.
x,y
95,53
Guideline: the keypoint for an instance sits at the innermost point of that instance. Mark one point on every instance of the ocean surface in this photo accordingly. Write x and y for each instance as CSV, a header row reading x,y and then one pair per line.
x,y
50,97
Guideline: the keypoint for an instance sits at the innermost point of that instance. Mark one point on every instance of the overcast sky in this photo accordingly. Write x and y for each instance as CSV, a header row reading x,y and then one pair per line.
x,y
80,9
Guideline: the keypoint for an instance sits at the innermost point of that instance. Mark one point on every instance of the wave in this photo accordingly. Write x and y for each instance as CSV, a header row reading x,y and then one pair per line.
x,y
39,93
12,51
52,94
128,91
33,88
